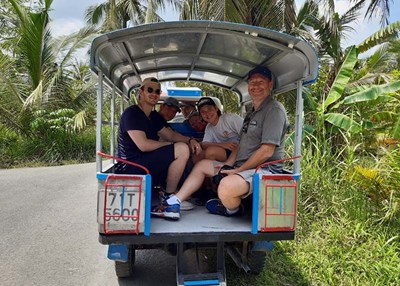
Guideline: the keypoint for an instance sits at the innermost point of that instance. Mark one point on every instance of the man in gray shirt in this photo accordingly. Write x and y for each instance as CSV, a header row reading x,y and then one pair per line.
x,y
261,140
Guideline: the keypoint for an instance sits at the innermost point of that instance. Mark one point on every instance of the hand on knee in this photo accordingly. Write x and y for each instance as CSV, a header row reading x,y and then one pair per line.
x,y
181,150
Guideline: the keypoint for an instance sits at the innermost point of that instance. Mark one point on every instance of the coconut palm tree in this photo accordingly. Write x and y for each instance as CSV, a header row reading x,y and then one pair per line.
x,y
7,22
275,14
38,74
117,14
377,7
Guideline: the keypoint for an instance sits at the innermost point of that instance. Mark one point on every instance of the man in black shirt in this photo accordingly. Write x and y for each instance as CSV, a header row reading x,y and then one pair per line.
x,y
139,132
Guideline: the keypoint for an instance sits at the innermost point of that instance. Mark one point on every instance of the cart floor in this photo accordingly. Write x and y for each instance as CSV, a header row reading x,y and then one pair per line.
x,y
200,220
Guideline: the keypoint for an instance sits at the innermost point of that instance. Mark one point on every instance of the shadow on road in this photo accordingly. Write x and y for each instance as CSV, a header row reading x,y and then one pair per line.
x,y
156,267
280,269
152,268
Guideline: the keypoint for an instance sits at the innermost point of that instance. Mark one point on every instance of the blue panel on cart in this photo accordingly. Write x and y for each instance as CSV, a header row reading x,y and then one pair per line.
x,y
184,92
262,246
118,252
201,282
101,176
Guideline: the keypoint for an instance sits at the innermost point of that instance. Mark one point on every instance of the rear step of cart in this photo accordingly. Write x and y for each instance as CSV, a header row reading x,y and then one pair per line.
x,y
216,278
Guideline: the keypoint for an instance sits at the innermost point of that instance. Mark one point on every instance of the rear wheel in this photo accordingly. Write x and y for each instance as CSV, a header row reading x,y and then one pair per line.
x,y
126,269
256,261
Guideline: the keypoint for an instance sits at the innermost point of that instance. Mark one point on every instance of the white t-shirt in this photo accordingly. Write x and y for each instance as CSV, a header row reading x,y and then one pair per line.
x,y
227,129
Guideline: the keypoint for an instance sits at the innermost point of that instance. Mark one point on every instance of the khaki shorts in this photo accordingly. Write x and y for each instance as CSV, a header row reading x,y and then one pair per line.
x,y
247,175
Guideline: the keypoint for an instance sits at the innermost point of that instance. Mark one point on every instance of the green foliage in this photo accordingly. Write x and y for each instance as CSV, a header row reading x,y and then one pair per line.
x,y
381,36
342,78
372,93
55,147
380,181
342,238
37,71
50,122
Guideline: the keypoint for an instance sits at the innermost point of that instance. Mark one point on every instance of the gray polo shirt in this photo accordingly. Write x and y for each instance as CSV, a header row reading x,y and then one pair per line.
x,y
266,125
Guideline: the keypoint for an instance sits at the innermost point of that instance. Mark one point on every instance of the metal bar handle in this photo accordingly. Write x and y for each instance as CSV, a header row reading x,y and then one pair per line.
x,y
124,161
277,161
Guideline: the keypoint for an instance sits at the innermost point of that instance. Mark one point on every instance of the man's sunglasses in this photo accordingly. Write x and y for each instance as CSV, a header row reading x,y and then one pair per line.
x,y
151,90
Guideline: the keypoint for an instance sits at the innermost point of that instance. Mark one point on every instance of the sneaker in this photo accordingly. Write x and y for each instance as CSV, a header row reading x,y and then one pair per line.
x,y
166,211
186,206
163,196
215,206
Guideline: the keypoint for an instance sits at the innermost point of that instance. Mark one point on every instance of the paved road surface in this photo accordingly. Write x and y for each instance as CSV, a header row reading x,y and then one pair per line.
x,y
48,232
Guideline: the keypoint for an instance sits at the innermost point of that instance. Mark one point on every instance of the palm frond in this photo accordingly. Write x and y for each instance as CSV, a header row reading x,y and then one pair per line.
x,y
11,121
379,37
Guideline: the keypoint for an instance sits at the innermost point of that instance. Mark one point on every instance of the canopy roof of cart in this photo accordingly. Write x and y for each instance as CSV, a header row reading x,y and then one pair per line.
x,y
218,53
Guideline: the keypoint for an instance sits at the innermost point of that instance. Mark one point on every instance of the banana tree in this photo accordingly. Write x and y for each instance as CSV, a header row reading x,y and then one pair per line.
x,y
360,100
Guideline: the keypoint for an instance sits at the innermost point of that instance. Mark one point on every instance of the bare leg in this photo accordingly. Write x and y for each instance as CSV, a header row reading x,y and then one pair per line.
x,y
198,158
202,169
176,168
230,190
215,153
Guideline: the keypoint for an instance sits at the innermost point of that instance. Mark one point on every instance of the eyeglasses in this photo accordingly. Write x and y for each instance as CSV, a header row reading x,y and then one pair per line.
x,y
246,123
151,90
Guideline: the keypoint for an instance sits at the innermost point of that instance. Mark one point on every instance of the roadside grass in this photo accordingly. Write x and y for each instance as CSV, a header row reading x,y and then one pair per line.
x,y
341,238
57,148
331,250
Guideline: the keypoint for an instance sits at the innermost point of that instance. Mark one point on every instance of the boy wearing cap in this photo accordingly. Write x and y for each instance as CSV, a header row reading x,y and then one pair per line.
x,y
261,140
222,132
138,140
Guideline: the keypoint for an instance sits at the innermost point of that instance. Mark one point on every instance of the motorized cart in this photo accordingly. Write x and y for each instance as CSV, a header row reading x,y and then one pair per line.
x,y
216,53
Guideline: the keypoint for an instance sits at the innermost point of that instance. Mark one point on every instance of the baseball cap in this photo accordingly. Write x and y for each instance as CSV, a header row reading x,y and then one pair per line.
x,y
205,101
170,101
149,80
260,70
188,103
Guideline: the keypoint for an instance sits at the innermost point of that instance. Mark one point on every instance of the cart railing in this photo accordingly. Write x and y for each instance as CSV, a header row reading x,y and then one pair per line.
x,y
125,201
274,200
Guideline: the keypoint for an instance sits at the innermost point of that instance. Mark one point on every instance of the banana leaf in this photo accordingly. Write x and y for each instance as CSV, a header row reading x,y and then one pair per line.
x,y
396,129
343,121
372,93
384,116
342,78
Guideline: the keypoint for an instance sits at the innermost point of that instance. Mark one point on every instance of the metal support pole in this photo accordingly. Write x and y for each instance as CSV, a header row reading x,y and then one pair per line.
x,y
221,272
179,265
298,126
98,121
112,120
121,104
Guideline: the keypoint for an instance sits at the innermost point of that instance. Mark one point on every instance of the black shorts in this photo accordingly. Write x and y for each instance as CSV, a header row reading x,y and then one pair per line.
x,y
228,153
156,161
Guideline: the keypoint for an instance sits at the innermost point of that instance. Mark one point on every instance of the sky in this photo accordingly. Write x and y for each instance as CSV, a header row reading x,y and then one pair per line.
x,y
68,18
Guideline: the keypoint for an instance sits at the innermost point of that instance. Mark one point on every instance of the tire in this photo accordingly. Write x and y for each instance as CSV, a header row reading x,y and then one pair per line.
x,y
256,261
126,269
